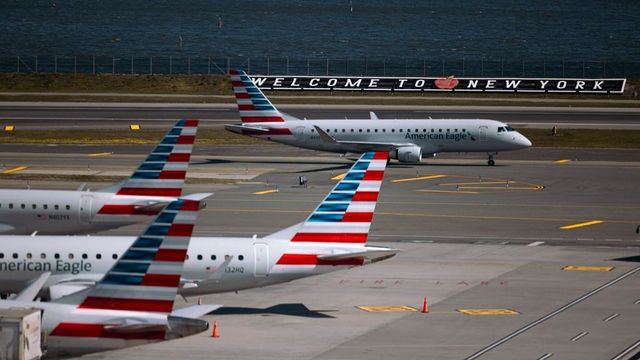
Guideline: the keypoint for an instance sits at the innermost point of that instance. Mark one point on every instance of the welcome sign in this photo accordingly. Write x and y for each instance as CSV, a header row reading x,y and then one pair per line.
x,y
442,84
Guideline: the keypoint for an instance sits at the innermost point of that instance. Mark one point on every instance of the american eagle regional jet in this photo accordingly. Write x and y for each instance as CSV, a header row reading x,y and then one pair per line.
x,y
157,181
407,140
333,237
132,303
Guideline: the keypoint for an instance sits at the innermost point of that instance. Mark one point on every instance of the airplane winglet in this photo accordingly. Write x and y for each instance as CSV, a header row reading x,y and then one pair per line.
x,y
373,116
30,292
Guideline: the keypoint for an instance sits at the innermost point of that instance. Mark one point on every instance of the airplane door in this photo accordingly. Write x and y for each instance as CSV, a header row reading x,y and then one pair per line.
x,y
299,132
483,133
261,259
84,209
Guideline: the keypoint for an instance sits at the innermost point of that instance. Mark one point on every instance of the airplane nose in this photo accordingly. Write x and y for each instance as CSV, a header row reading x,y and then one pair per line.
x,y
523,141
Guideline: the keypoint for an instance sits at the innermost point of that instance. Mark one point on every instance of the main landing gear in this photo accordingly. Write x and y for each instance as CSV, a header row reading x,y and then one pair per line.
x,y
491,162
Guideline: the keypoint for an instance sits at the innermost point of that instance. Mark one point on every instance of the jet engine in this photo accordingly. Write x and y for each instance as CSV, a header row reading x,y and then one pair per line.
x,y
409,154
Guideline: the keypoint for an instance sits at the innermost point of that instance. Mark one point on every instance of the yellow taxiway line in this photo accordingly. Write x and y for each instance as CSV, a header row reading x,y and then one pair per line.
x,y
100,154
582,224
429,177
15,169
563,161
488,312
339,176
386,308
587,268
449,191
265,192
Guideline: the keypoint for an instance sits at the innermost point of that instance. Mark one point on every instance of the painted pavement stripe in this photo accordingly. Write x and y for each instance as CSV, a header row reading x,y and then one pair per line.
x,y
386,308
563,161
265,192
429,177
100,154
488,312
339,176
15,169
450,191
582,224
587,268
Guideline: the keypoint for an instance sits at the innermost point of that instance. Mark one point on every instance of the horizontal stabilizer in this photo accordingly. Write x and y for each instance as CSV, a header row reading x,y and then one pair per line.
x,y
195,311
370,254
239,129
30,292
196,196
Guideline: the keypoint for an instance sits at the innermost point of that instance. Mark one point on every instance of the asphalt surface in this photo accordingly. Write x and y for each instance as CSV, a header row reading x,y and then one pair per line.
x,y
109,115
473,237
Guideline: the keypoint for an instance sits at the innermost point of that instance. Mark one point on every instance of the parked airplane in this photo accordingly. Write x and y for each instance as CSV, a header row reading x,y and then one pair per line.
x,y
132,303
333,237
157,181
407,140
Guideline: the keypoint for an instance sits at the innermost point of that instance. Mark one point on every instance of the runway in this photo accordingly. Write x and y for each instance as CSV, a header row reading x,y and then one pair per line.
x,y
533,256
36,115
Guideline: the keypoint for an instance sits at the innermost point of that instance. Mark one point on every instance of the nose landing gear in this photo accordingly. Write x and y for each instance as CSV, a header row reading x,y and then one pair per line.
x,y
491,162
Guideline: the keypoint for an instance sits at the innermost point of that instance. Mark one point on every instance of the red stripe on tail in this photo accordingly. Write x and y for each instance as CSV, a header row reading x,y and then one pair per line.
x,y
311,259
93,302
150,191
331,237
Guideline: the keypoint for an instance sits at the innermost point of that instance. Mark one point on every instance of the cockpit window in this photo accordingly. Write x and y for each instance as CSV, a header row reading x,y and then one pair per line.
x,y
509,128
501,129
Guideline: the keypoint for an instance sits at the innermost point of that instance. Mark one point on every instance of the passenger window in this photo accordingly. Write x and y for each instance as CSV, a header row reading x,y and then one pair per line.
x,y
456,130
424,130
56,256
360,130
312,130
43,256
343,130
10,206
186,257
29,256
67,207
384,130
393,130
439,130
368,130
335,130
1,255
399,130
240,257
464,130
375,130
22,206
98,256
114,256
408,130
56,207
213,257
33,206
199,257
351,130
70,256
15,255
448,130
432,130
45,206
84,256
417,130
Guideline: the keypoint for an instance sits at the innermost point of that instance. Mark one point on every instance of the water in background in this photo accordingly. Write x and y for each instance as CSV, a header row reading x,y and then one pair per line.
x,y
588,30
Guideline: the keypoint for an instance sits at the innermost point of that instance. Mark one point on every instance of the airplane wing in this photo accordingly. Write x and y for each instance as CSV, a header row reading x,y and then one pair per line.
x,y
195,311
30,292
372,254
361,145
243,129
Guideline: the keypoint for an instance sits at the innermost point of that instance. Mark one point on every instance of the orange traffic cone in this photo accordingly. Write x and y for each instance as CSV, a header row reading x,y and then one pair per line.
x,y
214,333
425,306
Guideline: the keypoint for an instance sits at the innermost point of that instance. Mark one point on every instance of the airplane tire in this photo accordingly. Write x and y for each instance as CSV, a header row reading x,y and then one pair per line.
x,y
491,162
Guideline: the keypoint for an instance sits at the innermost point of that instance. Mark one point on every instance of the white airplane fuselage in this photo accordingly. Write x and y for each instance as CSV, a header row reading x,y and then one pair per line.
x,y
53,212
431,136
254,262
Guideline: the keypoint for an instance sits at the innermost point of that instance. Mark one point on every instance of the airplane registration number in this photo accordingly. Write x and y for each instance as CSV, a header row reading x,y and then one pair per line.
x,y
234,269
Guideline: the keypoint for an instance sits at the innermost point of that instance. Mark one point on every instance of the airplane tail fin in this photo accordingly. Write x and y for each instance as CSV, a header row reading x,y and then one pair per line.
x,y
164,170
147,275
345,215
253,105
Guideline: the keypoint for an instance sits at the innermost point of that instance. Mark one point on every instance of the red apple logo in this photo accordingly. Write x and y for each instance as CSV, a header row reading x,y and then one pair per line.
x,y
447,83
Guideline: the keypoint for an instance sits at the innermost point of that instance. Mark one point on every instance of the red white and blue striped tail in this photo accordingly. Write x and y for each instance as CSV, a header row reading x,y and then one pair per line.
x,y
253,106
164,170
345,215
147,275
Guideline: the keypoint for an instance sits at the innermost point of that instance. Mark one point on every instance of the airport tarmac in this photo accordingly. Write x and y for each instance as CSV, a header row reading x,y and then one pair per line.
x,y
67,115
489,240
